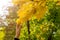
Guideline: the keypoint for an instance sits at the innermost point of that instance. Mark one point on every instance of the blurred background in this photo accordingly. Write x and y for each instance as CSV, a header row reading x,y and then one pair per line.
x,y
44,29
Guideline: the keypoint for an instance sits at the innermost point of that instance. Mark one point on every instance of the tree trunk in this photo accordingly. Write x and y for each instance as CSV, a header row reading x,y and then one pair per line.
x,y
28,26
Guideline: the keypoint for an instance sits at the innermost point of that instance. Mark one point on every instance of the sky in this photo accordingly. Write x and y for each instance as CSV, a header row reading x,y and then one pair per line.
x,y
3,5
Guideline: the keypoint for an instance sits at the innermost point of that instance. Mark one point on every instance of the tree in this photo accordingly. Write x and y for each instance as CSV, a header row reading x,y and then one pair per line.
x,y
29,8
10,19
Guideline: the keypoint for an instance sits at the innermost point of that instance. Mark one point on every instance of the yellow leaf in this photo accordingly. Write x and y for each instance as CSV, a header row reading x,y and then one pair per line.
x,y
15,2
21,20
55,0
18,21
29,9
40,12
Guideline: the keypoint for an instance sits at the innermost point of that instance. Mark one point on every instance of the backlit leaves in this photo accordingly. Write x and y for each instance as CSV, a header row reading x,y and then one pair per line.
x,y
36,8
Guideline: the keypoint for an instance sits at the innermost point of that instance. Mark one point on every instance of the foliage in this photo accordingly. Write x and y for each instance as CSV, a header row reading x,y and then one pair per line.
x,y
2,33
30,8
46,28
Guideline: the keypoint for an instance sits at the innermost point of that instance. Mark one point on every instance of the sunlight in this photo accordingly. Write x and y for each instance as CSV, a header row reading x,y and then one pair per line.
x,y
3,5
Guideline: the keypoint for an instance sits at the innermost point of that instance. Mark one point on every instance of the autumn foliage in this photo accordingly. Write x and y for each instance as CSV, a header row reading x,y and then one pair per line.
x,y
28,9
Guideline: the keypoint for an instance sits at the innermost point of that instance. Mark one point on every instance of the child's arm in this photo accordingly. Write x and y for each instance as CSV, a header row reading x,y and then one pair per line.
x,y
18,29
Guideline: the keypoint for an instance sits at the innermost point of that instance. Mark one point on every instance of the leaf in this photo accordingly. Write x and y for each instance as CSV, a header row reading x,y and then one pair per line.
x,y
31,8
